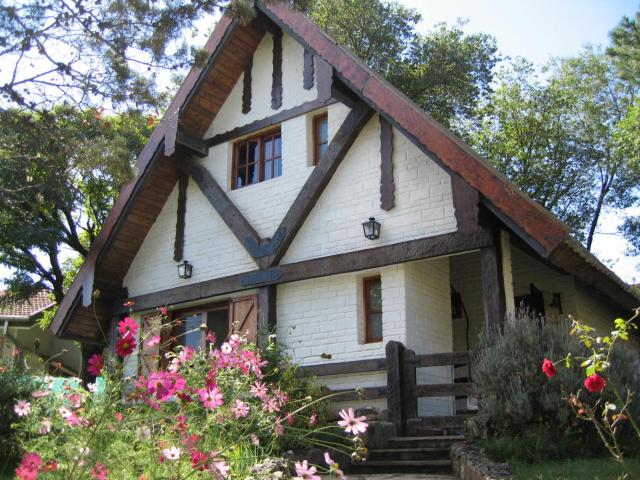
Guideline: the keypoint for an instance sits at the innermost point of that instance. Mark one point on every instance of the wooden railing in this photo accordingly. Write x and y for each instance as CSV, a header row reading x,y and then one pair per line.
x,y
402,390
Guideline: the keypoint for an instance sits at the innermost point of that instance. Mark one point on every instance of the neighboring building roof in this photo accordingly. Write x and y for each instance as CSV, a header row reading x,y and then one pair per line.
x,y
196,105
24,309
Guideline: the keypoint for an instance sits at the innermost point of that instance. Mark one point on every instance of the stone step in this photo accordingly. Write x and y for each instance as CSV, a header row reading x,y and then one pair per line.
x,y
449,424
436,441
424,453
402,466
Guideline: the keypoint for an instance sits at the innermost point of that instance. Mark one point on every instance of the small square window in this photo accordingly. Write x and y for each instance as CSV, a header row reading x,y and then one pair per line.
x,y
373,309
320,136
257,159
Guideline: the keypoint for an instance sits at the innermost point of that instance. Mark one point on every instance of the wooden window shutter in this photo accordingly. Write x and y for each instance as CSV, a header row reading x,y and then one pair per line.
x,y
244,316
149,355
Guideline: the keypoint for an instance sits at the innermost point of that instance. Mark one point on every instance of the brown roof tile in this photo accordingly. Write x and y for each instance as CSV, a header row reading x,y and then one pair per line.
x,y
25,308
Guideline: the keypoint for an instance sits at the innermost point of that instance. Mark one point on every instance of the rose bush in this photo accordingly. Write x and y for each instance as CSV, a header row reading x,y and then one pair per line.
x,y
228,412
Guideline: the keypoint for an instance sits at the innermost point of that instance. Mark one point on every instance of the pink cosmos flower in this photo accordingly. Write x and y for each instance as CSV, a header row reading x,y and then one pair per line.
x,y
313,420
64,412
199,460
305,472
95,364
22,408
172,454
279,429
119,416
92,387
164,385
100,471
125,346
240,409
334,467
128,327
155,340
75,399
254,439
186,354
291,420
211,398
259,390
163,311
39,394
45,427
270,405
351,423
234,340
28,468
226,348
219,470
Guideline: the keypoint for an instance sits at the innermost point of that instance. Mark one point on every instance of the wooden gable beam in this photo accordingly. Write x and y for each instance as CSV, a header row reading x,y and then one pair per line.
x,y
178,247
219,200
387,201
320,177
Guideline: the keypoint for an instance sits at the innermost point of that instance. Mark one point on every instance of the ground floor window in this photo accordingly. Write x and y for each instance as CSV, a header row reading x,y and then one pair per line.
x,y
373,309
189,330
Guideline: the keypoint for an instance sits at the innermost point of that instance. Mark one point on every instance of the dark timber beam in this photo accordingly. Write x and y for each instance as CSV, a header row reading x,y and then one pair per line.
x,y
195,146
431,247
492,287
466,201
266,313
276,84
320,177
246,87
387,201
178,246
308,72
219,200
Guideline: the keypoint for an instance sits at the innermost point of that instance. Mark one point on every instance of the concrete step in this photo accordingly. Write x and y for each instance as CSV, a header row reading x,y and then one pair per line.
x,y
419,453
401,466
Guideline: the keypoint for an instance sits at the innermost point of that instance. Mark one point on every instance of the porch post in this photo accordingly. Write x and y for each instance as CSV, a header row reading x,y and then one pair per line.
x,y
394,353
492,287
266,313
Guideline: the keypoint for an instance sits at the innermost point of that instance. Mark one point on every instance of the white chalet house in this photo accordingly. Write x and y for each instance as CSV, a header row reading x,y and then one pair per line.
x,y
261,175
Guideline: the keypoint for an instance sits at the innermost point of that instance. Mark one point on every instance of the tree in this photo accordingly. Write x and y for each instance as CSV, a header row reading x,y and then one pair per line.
x,y
524,129
60,171
447,73
557,139
625,48
444,71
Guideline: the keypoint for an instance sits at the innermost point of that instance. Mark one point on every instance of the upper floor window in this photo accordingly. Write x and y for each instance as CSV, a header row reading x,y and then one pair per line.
x,y
373,309
320,136
257,159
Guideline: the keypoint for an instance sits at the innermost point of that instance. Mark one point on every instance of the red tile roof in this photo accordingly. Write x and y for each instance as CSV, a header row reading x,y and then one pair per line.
x,y
26,308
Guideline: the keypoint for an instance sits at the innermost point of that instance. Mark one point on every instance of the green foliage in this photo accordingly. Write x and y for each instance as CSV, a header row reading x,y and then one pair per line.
x,y
14,385
444,71
60,171
625,48
591,469
529,415
558,139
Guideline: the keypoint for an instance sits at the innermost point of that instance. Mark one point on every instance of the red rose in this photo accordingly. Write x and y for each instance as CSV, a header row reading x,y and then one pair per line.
x,y
549,368
595,383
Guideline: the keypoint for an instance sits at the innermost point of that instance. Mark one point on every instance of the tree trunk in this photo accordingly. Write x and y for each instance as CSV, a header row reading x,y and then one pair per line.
x,y
596,215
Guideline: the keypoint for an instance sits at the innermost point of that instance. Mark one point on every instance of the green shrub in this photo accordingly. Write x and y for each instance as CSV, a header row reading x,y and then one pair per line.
x,y
527,413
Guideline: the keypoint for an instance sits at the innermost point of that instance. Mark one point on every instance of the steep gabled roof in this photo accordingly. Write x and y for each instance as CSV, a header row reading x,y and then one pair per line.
x,y
200,97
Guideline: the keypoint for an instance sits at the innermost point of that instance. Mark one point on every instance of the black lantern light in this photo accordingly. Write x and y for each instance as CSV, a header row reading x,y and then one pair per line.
x,y
371,229
184,269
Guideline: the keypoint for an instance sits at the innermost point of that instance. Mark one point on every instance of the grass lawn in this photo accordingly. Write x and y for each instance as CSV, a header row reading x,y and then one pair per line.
x,y
592,469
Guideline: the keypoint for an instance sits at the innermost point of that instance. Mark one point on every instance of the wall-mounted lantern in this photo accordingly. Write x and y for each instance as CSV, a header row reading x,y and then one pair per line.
x,y
184,269
371,229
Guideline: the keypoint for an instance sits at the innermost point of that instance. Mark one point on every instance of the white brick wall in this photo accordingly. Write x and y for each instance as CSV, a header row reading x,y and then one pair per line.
x,y
429,328
423,202
230,115
209,245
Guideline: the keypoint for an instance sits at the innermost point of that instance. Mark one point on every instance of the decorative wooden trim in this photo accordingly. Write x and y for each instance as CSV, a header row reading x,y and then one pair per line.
x,y
445,390
366,282
465,204
271,121
246,87
170,133
266,313
308,71
492,288
178,246
219,200
387,201
324,78
276,84
443,359
394,354
195,146
431,247
344,368
321,175
351,395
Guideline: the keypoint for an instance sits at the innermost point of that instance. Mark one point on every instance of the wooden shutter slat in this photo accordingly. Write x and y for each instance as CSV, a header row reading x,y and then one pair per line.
x,y
244,316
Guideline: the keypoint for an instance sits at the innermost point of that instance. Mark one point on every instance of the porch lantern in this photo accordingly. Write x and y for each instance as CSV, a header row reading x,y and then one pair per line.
x,y
371,229
184,269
